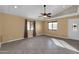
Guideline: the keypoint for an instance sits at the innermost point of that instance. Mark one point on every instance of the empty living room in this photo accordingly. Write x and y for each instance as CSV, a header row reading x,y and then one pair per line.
x,y
39,29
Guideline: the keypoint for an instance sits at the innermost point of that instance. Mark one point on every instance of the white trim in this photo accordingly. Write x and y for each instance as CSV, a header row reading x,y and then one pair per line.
x,y
68,15
61,37
38,34
56,36
12,40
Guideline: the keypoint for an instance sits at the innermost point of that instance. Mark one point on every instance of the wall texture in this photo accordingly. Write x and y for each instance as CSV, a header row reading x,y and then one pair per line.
x,y
0,27
12,27
39,28
62,29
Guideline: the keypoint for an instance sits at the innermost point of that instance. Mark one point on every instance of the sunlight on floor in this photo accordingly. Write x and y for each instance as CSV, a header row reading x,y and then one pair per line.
x,y
64,44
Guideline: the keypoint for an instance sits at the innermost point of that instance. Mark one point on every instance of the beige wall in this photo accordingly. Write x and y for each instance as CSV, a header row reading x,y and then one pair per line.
x,y
39,28
0,27
62,29
13,27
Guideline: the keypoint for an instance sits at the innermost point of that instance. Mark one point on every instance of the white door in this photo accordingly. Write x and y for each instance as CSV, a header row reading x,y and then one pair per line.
x,y
73,29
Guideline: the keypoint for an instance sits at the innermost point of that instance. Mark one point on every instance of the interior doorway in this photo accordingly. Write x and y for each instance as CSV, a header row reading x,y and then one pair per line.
x,y
30,29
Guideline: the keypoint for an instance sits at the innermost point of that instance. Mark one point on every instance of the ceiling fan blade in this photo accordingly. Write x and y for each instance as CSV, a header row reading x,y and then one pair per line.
x,y
42,13
49,13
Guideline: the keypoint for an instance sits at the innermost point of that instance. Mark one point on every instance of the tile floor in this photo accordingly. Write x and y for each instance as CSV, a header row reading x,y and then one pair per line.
x,y
38,45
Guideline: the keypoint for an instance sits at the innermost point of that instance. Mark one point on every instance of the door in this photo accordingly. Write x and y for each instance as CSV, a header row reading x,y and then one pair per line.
x,y
73,29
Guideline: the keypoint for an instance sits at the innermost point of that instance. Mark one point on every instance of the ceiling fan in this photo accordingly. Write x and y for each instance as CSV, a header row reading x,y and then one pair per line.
x,y
45,14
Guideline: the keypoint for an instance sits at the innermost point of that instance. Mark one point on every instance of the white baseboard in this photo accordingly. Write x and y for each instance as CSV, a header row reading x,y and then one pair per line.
x,y
12,40
39,34
62,37
56,36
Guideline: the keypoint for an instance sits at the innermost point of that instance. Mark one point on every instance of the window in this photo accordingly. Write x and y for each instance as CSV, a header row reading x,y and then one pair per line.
x,y
50,25
29,25
53,25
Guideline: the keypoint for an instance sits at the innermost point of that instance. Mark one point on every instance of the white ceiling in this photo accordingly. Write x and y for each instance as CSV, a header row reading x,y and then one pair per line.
x,y
32,11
